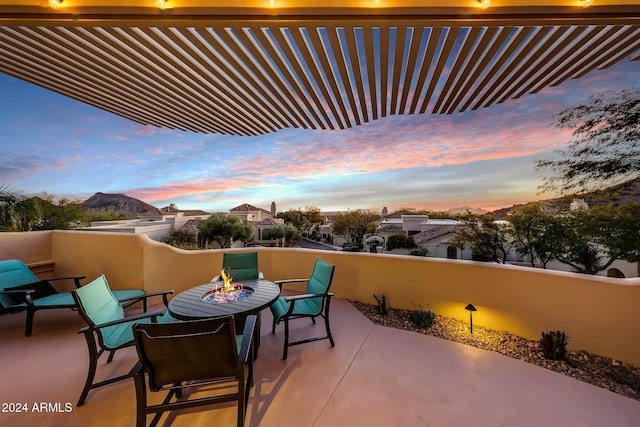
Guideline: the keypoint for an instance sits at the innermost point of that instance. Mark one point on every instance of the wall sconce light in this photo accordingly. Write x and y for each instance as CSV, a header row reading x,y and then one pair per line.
x,y
163,4
484,3
470,308
586,3
54,4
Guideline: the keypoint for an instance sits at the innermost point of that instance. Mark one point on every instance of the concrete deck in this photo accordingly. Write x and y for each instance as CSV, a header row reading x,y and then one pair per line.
x,y
375,376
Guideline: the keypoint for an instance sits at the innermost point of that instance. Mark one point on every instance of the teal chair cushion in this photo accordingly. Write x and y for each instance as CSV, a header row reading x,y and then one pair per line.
x,y
304,306
64,298
118,335
14,273
128,293
98,303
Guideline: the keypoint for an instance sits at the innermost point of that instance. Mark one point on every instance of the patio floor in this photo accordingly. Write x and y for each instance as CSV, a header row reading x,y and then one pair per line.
x,y
375,376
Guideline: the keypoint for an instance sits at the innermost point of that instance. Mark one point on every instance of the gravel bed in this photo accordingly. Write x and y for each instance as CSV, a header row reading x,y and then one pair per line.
x,y
613,375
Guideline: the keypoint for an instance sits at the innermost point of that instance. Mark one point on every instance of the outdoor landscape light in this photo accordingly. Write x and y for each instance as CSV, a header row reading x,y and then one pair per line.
x,y
470,308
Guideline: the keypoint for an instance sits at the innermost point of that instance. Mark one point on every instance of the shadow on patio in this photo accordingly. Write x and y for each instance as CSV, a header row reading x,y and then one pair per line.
x,y
375,376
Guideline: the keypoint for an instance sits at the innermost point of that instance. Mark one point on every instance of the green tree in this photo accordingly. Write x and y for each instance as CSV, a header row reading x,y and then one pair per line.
x,y
223,229
64,215
303,220
273,233
94,215
180,239
488,239
400,241
593,239
17,213
353,225
573,246
619,230
295,217
287,233
534,232
606,145
312,214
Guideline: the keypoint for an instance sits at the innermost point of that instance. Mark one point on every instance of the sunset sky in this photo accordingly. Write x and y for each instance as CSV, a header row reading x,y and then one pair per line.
x,y
481,159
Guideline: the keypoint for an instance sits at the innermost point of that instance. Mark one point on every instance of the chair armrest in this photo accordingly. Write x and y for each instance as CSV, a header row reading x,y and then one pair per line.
x,y
76,280
281,282
123,320
19,291
306,296
153,294
27,295
247,338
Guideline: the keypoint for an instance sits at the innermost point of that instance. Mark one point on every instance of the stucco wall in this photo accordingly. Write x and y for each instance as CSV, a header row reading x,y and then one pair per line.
x,y
598,314
29,247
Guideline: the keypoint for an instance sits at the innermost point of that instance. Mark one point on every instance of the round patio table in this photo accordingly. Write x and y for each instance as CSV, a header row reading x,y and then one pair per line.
x,y
189,305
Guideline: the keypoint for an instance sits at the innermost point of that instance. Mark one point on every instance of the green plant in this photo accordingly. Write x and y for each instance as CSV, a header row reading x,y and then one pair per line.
x,y
423,318
418,252
554,345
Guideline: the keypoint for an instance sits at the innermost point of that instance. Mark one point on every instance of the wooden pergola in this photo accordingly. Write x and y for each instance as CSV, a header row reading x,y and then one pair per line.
x,y
254,67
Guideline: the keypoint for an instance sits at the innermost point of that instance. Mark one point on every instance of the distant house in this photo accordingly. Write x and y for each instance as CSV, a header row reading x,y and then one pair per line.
x,y
401,222
430,234
250,213
259,219
578,205
435,239
156,226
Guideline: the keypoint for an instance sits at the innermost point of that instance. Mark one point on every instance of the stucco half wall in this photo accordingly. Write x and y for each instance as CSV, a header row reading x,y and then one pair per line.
x,y
599,314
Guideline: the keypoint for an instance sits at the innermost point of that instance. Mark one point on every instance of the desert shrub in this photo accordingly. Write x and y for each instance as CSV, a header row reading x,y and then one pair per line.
x,y
423,318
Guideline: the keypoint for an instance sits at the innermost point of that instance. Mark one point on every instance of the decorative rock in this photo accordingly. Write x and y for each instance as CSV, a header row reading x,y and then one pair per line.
x,y
610,374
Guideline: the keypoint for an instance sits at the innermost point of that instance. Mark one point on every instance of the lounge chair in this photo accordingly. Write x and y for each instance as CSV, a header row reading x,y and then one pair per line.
x,y
21,290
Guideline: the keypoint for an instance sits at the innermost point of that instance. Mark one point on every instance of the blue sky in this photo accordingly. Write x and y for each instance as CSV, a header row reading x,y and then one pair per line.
x,y
483,159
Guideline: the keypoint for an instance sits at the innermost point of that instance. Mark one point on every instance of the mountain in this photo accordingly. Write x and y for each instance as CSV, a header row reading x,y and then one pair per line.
x,y
121,204
463,210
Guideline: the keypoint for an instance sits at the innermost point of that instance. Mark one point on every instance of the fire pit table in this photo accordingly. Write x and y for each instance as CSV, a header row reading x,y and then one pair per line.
x,y
211,299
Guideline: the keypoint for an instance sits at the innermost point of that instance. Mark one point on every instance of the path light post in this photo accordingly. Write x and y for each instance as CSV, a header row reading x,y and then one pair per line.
x,y
470,308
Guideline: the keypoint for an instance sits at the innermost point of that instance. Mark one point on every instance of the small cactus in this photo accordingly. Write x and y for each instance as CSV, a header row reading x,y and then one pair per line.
x,y
382,305
554,345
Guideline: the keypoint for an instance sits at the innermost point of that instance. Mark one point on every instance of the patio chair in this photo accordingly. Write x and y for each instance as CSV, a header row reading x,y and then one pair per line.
x,y
313,303
108,329
186,357
240,266
21,290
